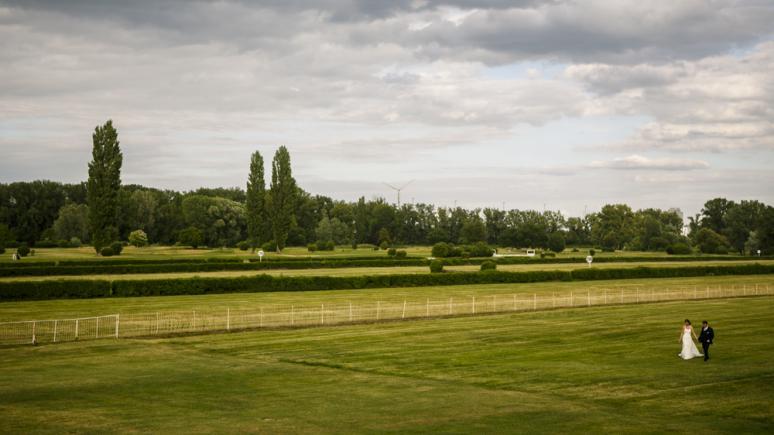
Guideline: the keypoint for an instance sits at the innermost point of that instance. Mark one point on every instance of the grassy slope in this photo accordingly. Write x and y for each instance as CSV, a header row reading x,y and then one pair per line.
x,y
359,271
70,308
595,370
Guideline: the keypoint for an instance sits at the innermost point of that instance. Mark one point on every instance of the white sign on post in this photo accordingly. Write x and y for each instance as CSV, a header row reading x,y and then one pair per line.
x,y
260,255
589,259
759,252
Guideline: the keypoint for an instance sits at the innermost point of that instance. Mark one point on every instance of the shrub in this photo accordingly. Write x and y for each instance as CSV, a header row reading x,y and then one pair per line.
x,y
23,250
243,246
138,238
575,250
608,249
592,252
710,242
436,266
46,243
325,246
488,265
75,242
312,247
391,252
190,236
480,249
384,245
376,248
679,249
400,254
63,243
547,254
117,247
106,252
441,250
556,242
270,246
2,250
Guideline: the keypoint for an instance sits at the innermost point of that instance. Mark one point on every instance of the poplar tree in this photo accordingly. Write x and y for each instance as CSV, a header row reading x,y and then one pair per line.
x,y
103,186
256,203
281,198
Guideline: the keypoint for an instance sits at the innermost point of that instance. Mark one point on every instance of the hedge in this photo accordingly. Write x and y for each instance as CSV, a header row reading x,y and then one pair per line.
x,y
266,283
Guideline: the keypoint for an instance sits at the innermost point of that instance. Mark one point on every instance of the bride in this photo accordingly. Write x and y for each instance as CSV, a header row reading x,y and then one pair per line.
x,y
686,337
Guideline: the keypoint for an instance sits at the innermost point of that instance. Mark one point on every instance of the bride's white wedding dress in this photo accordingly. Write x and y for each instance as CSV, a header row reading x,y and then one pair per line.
x,y
689,347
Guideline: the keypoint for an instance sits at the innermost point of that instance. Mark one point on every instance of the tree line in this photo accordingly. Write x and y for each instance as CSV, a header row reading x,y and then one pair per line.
x,y
102,210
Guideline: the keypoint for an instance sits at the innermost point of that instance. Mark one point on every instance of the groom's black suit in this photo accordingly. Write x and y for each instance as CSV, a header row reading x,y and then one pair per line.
x,y
705,338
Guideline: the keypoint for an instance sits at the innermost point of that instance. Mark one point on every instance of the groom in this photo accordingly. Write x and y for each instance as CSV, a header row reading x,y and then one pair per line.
x,y
705,338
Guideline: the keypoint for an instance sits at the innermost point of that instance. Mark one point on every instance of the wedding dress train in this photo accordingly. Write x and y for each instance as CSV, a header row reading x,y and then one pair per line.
x,y
689,347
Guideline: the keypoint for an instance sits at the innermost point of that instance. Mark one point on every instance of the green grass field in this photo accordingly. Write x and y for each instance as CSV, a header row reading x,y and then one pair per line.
x,y
361,271
593,370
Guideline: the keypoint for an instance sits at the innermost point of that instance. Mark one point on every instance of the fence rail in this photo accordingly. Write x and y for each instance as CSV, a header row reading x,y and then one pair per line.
x,y
336,313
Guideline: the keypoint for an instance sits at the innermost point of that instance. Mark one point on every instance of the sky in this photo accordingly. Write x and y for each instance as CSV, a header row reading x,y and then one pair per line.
x,y
562,105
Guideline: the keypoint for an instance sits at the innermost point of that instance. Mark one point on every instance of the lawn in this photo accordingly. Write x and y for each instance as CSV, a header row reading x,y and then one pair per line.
x,y
594,370
362,271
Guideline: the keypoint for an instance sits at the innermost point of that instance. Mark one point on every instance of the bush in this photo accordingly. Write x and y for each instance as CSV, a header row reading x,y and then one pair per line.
x,y
270,246
190,236
384,245
63,243
479,249
312,247
679,249
608,249
106,252
400,254
325,246
547,254
117,247
138,238
23,250
243,246
391,252
441,250
710,242
436,266
46,243
592,252
2,250
488,265
376,248
75,242
556,242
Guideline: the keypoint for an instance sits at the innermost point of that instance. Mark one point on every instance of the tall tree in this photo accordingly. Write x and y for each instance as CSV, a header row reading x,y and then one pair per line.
x,y
256,203
281,198
104,185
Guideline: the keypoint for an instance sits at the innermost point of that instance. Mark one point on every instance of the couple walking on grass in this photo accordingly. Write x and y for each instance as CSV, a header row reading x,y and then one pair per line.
x,y
706,337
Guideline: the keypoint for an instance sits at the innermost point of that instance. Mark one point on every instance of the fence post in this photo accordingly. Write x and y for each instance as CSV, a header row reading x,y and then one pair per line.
x,y
494,303
473,305
350,311
56,323
76,328
403,316
588,298
427,308
695,292
514,302
451,311
96,332
118,323
572,300
553,299
260,318
378,308
637,290
228,319
707,291
292,314
322,314
622,299
534,301
605,296
34,324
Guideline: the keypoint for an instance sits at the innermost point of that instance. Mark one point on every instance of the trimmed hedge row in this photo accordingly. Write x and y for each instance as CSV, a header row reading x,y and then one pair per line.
x,y
266,283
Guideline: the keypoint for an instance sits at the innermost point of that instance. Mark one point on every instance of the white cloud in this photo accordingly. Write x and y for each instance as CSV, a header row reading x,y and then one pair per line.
x,y
636,162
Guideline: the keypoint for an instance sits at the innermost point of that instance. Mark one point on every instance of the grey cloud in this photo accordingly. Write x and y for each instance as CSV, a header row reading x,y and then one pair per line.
x,y
636,162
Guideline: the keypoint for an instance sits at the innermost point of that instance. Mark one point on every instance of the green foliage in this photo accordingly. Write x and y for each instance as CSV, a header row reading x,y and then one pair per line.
x,y
103,185
441,250
436,266
400,254
311,247
117,248
547,254
73,221
391,252
243,245
23,250
257,216
2,249
384,237
679,249
384,246
106,251
592,252
488,265
473,230
445,250
138,238
220,220
75,242
281,199
190,236
710,242
556,242
270,246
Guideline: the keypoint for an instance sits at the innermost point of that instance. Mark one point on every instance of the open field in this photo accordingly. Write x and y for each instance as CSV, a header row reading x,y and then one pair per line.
x,y
72,308
362,271
174,252
611,369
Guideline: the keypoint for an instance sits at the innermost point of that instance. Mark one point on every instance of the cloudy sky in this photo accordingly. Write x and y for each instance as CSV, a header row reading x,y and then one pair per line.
x,y
562,104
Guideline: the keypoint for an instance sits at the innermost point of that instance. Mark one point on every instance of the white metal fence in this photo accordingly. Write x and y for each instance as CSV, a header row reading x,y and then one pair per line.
x,y
334,313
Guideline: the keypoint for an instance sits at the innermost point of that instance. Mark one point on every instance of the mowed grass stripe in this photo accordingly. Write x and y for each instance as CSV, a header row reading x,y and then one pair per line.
x,y
72,308
611,369
363,271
